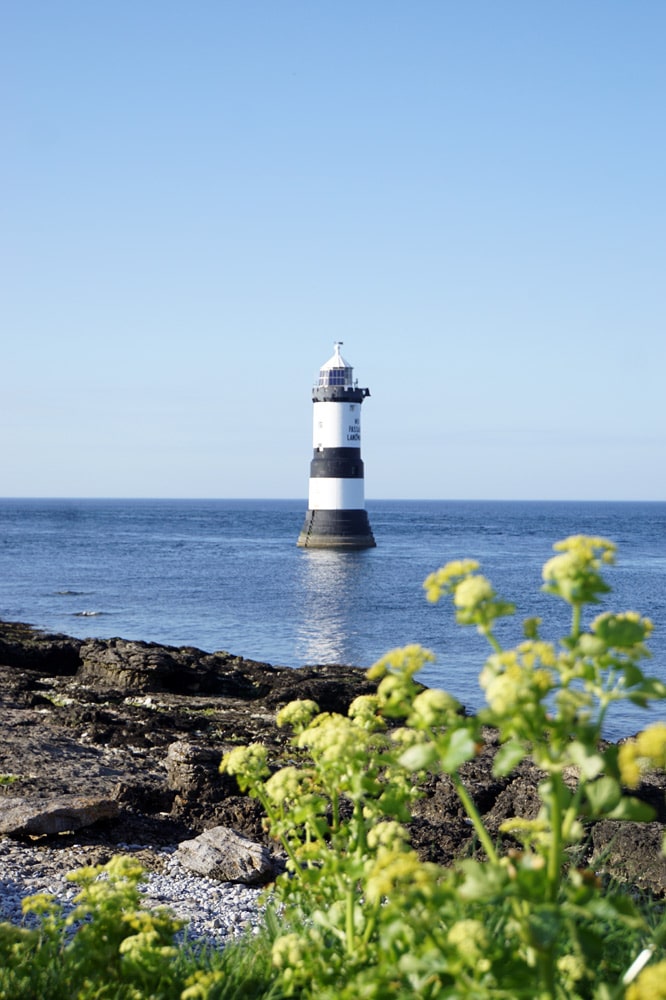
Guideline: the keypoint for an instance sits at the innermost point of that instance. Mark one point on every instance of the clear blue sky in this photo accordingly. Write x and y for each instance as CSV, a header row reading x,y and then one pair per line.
x,y
199,197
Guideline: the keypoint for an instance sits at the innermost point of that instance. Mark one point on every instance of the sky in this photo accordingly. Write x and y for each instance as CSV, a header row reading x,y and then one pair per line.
x,y
198,197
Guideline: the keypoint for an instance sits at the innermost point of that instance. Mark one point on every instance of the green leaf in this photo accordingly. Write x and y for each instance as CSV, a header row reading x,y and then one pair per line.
x,y
508,757
633,809
481,881
603,795
419,757
457,747
544,923
620,631
531,628
632,674
590,762
652,687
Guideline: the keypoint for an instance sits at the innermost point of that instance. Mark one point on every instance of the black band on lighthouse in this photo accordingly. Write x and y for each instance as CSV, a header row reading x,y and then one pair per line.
x,y
339,394
337,463
336,529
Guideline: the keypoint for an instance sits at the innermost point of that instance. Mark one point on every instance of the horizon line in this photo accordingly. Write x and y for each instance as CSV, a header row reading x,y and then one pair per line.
x,y
303,500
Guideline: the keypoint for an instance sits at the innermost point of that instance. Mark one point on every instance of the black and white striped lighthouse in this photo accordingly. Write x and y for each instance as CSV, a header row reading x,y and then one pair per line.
x,y
336,517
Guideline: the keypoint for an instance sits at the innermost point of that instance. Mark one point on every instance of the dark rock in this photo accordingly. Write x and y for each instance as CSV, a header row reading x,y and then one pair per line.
x,y
630,852
46,817
332,687
25,648
145,726
141,667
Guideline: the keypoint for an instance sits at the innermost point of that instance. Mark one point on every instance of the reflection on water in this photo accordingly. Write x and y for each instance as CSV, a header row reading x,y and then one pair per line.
x,y
330,585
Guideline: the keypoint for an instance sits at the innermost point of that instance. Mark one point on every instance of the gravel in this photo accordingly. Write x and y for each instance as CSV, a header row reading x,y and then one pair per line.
x,y
214,911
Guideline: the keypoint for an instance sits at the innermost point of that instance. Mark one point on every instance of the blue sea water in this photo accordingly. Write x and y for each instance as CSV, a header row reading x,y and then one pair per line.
x,y
226,574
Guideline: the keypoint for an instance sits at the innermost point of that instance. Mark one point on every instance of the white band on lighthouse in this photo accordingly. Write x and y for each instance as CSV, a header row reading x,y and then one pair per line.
x,y
336,425
336,516
336,494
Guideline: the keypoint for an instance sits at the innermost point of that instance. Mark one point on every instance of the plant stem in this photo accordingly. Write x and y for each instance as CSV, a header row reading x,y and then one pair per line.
x,y
473,814
272,816
493,641
349,922
555,853
575,622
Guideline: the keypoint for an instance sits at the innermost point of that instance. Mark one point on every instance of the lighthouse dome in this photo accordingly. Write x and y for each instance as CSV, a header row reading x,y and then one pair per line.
x,y
336,371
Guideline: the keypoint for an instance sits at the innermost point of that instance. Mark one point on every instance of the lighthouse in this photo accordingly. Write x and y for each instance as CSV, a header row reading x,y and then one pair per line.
x,y
336,517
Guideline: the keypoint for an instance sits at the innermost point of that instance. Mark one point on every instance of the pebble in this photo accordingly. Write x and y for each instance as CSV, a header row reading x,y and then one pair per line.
x,y
214,911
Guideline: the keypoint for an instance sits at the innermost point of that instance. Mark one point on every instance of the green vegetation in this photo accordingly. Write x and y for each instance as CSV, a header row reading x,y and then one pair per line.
x,y
109,948
357,915
364,917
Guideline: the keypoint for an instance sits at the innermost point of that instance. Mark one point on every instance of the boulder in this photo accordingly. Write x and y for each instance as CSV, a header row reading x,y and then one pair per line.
x,y
631,852
46,817
223,854
25,648
135,667
132,667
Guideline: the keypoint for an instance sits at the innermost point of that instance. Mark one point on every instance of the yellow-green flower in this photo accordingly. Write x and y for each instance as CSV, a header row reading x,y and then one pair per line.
x,y
297,714
650,985
574,574
364,711
394,695
398,867
388,834
470,939
471,592
534,651
445,579
571,968
288,951
249,764
404,661
433,707
200,984
623,631
42,903
646,752
285,785
651,743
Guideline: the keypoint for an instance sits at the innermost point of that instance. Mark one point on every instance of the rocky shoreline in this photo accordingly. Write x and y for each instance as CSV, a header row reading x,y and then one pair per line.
x,y
112,746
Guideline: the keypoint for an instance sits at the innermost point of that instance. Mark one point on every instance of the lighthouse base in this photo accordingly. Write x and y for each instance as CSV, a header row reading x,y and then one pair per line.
x,y
336,529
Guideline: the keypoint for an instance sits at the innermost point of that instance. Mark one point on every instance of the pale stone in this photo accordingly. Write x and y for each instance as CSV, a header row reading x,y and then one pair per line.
x,y
223,854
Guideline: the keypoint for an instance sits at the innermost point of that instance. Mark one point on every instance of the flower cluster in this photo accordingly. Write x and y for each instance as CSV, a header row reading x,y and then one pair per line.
x,y
446,578
248,764
519,678
297,714
575,575
646,752
395,672
474,596
650,985
470,939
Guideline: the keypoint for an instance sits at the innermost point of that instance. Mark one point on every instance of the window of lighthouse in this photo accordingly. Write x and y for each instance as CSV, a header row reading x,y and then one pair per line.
x,y
335,376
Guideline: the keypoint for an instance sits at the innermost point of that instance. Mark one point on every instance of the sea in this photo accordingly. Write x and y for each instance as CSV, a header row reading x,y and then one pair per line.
x,y
227,575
